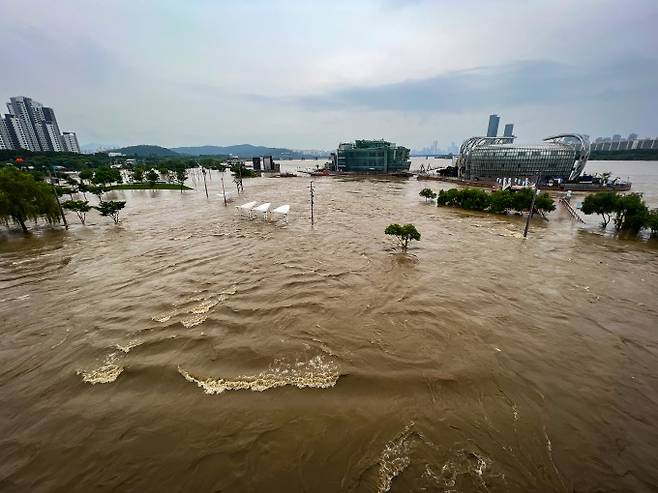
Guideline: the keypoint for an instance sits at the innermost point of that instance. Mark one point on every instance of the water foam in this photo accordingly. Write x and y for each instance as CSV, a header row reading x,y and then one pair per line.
x,y
194,320
395,458
127,347
315,373
107,373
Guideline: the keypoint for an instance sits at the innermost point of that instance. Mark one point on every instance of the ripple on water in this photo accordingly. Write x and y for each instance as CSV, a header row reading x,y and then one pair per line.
x,y
198,310
107,373
315,373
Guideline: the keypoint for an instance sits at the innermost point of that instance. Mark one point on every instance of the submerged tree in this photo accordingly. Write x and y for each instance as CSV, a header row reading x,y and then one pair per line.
x,y
23,198
427,193
631,212
404,233
602,203
80,207
111,208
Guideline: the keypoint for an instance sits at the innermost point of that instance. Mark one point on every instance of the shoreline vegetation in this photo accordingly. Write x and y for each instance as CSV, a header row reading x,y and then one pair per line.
x,y
627,155
147,186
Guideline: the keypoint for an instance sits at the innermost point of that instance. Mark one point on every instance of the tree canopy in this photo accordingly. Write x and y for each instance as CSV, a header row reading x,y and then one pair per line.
x,y
111,208
22,198
80,207
404,233
602,203
498,202
427,193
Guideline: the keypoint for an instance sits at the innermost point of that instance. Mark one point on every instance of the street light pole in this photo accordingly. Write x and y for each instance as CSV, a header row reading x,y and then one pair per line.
x,y
312,196
532,205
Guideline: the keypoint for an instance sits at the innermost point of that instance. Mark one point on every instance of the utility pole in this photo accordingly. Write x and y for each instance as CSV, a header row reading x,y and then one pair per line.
x,y
61,211
532,206
312,196
203,170
223,191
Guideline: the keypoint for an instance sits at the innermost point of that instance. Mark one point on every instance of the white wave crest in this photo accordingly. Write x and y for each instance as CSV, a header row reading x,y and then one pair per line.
x,y
395,458
107,373
194,320
315,373
127,347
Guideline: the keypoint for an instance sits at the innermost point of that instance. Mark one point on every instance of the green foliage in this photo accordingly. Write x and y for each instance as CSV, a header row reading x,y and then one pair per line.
x,y
80,207
97,190
23,198
501,201
631,212
427,193
602,203
404,233
497,202
213,163
106,175
86,174
111,208
152,177
138,173
181,176
44,160
147,186
626,155
242,171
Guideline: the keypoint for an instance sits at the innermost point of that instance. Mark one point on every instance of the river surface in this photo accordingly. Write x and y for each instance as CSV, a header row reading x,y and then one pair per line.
x,y
191,349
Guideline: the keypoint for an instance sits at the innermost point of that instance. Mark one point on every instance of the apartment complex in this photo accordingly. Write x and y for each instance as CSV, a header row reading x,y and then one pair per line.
x,y
617,143
32,126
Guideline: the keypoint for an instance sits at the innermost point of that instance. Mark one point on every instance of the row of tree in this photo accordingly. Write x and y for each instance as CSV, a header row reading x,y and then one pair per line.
x,y
628,212
499,202
23,198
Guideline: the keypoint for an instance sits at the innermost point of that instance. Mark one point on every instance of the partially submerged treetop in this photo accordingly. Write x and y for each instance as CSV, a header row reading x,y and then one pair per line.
x,y
404,233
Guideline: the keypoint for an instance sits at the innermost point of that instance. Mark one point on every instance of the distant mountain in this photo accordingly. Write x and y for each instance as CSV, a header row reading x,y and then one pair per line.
x,y
242,151
146,151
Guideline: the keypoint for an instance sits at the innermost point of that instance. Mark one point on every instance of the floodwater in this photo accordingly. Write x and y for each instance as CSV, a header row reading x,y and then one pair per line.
x,y
191,349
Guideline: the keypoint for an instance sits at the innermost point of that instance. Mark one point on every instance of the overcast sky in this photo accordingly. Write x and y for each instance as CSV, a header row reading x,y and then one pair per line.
x,y
310,74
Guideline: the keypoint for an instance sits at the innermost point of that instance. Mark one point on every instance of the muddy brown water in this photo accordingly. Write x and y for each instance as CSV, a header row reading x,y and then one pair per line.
x,y
190,349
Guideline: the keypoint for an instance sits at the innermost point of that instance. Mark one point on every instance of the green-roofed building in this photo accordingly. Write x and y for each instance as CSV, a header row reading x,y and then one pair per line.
x,y
371,156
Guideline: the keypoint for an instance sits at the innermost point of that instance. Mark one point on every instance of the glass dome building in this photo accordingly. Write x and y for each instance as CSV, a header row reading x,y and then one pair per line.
x,y
560,157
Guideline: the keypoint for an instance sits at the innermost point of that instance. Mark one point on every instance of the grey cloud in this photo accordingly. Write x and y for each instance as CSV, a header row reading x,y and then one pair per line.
x,y
536,82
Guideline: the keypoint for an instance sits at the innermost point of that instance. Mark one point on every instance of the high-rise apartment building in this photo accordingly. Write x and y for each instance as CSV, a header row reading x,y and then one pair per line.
x,y
492,130
32,126
70,141
509,130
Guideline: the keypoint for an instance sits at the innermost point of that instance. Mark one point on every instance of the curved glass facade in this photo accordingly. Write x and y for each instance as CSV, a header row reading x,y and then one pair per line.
x,y
488,158
489,162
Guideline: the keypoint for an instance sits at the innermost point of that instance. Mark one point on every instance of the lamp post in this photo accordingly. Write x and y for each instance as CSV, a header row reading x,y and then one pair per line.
x,y
312,196
532,205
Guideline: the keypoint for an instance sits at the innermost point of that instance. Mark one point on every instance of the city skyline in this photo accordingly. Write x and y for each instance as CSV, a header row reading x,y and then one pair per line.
x,y
190,83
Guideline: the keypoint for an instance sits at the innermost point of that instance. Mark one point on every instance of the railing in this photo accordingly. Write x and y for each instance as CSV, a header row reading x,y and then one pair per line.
x,y
574,214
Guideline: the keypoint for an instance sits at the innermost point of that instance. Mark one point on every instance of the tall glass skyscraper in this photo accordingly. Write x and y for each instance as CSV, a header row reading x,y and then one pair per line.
x,y
492,131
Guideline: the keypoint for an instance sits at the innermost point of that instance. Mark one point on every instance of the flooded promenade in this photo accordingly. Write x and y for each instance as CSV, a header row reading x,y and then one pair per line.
x,y
190,349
